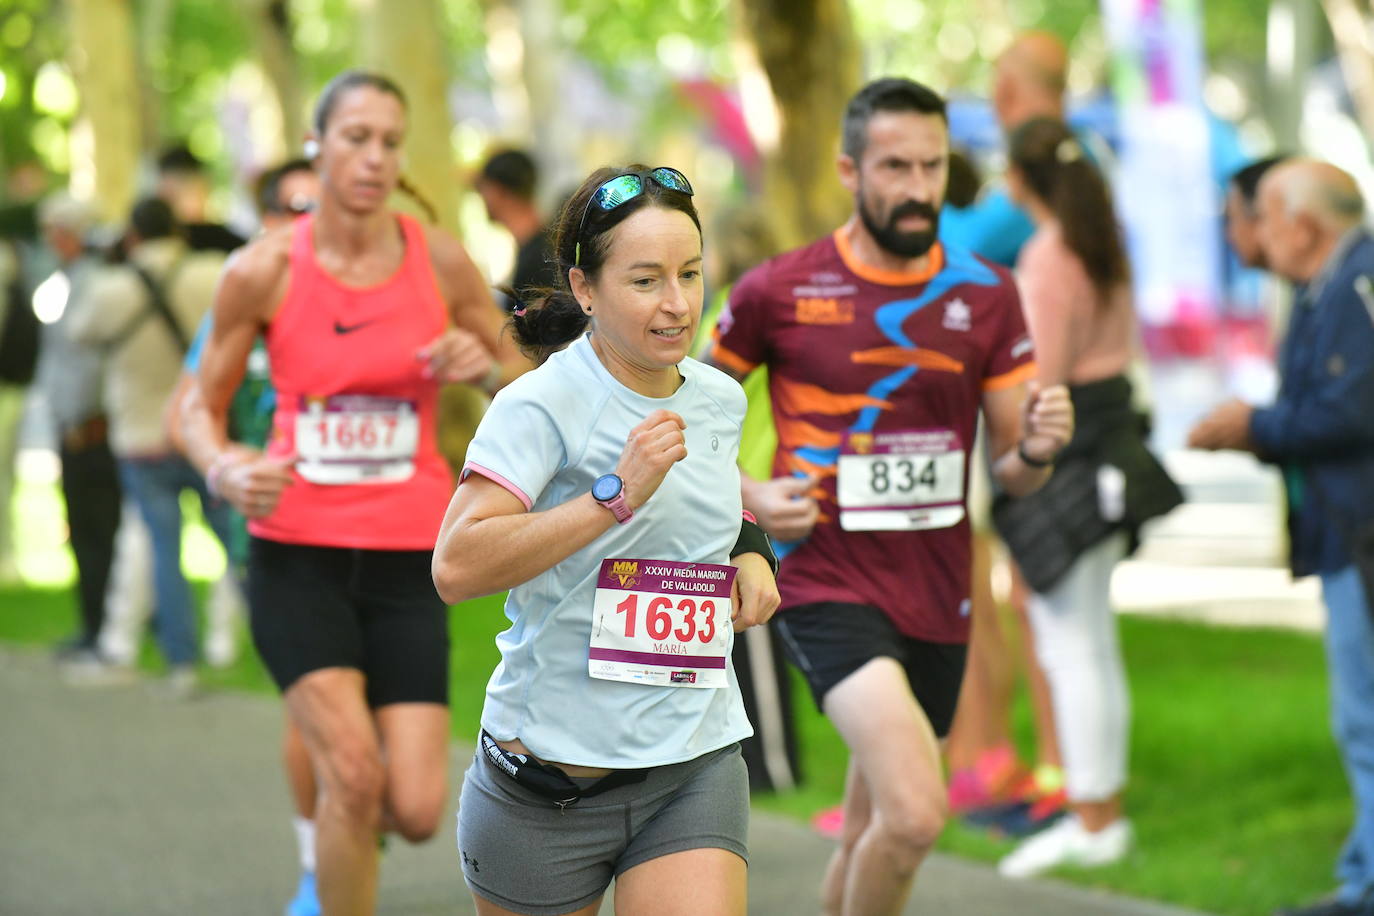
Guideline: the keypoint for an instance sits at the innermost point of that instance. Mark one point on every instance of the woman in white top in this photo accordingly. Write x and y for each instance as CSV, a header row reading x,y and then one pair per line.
x,y
602,490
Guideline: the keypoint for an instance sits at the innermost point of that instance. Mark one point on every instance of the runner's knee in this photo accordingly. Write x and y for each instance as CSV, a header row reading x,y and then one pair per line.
x,y
914,824
355,778
416,815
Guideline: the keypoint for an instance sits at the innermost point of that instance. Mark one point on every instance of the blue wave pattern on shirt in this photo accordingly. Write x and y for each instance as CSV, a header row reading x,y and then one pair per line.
x,y
961,266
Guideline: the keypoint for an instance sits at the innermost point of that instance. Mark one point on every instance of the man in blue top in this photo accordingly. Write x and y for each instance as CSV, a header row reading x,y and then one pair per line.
x,y
1028,82
1319,432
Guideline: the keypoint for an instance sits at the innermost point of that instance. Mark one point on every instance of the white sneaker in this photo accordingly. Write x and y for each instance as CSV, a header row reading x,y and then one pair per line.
x,y
1068,843
221,649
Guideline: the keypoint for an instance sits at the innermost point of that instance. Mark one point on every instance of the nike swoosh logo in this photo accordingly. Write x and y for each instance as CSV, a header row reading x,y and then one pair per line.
x,y
340,328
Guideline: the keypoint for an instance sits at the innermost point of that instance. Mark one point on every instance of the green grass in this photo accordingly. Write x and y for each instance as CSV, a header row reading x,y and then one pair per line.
x,y
1237,794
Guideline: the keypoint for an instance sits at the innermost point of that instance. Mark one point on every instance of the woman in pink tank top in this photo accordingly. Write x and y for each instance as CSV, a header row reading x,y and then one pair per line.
x,y
365,313
1067,537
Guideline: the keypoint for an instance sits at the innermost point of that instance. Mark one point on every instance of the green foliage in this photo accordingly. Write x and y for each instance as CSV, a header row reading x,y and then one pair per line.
x,y
950,43
1233,31
188,67
1236,790
190,60
32,33
623,38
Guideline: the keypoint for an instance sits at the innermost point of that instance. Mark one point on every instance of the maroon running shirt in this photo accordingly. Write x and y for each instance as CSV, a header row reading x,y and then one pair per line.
x,y
876,379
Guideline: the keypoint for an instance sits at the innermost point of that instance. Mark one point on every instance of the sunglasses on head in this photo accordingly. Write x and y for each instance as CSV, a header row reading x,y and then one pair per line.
x,y
623,188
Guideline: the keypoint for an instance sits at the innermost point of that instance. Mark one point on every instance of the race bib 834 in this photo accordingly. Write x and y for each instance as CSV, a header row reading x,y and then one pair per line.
x,y
901,480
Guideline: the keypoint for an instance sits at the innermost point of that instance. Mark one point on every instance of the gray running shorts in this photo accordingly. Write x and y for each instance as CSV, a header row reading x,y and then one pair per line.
x,y
522,853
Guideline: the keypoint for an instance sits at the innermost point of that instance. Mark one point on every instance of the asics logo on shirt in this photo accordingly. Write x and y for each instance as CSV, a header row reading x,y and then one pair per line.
x,y
341,328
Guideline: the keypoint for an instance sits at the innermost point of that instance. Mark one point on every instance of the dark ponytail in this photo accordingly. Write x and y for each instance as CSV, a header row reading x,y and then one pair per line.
x,y
547,323
409,190
1057,170
547,320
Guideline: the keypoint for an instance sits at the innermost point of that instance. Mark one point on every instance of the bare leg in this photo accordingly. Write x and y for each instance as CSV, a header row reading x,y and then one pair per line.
x,y
895,754
1042,705
330,709
858,811
300,776
981,721
685,883
415,746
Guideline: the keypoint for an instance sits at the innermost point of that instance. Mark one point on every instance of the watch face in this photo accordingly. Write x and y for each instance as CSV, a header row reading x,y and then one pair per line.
x,y
607,486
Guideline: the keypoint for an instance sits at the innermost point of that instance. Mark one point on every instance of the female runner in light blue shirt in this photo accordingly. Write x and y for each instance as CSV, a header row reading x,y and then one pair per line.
x,y
602,490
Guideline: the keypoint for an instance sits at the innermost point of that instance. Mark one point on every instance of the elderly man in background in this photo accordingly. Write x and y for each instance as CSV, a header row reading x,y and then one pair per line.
x,y
1320,432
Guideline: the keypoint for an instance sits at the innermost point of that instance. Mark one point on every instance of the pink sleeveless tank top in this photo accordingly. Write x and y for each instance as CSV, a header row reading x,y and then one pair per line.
x,y
353,407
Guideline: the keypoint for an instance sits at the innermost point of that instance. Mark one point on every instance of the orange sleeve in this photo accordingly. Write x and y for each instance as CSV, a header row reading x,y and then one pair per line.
x,y
1022,373
729,359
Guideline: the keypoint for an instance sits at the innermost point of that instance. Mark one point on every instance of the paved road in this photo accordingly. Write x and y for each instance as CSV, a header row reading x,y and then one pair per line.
x,y
126,801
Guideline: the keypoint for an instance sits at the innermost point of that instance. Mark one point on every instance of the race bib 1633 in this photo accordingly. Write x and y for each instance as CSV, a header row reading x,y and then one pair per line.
x,y
661,623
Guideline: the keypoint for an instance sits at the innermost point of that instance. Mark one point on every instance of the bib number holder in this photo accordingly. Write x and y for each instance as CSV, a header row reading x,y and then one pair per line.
x,y
352,439
902,480
662,623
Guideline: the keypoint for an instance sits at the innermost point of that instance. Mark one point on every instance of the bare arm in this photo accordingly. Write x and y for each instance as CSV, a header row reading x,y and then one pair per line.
x,y
476,350
1049,318
488,542
251,286
1040,422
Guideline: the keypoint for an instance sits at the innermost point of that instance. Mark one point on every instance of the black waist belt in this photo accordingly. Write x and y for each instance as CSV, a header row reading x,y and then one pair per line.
x,y
548,780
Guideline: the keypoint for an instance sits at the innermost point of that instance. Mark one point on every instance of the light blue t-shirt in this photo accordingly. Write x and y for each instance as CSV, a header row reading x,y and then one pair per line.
x,y
547,436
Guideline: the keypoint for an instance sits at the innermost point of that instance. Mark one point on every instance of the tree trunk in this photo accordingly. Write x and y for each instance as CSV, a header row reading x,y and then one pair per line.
x,y
152,30
405,40
1350,26
272,24
102,55
555,131
811,57
1292,48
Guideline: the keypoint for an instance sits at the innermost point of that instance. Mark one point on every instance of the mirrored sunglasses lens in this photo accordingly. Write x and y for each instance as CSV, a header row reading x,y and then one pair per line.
x,y
618,190
672,179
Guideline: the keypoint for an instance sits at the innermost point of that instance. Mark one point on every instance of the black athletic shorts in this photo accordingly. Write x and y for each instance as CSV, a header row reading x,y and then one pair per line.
x,y
335,607
831,640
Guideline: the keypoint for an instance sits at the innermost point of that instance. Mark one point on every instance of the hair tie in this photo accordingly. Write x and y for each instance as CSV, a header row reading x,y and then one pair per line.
x,y
1068,151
